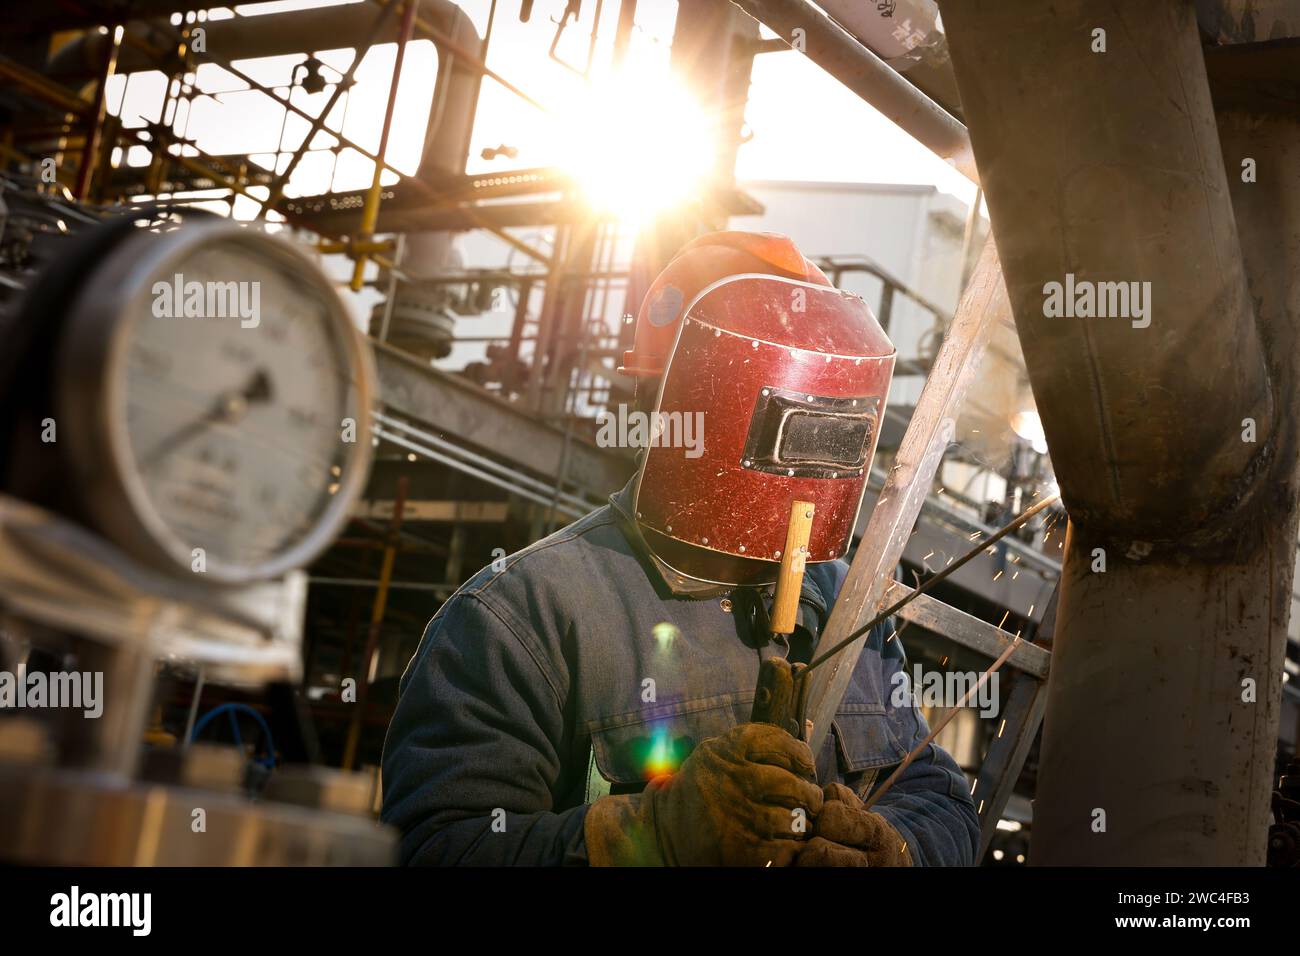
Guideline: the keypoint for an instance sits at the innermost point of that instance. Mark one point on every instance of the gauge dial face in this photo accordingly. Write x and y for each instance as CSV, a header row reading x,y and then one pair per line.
x,y
230,386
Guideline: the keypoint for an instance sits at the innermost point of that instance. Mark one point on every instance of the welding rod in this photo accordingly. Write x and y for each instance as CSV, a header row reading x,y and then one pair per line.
x,y
916,751
921,589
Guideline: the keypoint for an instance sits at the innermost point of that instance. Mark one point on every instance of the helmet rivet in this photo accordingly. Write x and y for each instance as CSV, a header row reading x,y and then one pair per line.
x,y
790,472
829,357
704,541
717,333
776,554
669,529
746,462
754,344
810,398
767,391
638,514
742,549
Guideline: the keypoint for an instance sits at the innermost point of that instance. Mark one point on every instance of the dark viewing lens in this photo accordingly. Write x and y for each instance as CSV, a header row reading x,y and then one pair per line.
x,y
824,438
800,435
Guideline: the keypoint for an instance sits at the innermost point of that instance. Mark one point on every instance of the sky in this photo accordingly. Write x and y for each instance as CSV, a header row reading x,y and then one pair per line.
x,y
804,125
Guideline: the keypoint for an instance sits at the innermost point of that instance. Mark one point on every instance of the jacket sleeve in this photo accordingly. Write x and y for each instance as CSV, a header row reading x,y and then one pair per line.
x,y
930,804
472,762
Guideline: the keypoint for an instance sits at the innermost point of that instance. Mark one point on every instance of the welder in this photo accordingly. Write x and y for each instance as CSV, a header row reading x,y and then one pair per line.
x,y
587,700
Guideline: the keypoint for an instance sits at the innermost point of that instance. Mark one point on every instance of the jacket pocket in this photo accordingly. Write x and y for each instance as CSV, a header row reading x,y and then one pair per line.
x,y
630,749
864,738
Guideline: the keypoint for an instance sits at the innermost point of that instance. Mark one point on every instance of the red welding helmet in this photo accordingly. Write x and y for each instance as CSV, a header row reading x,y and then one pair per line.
x,y
791,377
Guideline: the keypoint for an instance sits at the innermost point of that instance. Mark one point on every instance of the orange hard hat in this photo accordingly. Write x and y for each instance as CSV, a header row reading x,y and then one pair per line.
x,y
696,266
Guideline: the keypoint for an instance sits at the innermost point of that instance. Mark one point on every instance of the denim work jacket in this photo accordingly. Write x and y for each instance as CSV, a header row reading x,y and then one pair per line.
x,y
576,671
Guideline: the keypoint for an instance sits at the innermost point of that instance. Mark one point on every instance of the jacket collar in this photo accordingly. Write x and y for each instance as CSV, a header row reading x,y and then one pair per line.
x,y
680,586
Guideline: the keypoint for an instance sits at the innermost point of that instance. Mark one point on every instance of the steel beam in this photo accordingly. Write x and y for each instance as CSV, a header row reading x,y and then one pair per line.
x,y
452,405
967,630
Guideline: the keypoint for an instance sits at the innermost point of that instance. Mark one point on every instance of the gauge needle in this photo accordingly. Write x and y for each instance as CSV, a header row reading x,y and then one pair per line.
x,y
229,409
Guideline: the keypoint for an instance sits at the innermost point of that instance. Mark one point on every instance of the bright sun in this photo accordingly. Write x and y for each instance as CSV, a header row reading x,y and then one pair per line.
x,y
636,144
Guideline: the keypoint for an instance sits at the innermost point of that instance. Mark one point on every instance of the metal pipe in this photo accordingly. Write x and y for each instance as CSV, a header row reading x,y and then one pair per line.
x,y
39,86
865,74
488,477
370,213
1107,168
419,435
277,187
377,609
95,121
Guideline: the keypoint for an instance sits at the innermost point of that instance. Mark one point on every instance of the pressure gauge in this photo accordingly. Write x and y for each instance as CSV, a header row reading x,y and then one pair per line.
x,y
215,400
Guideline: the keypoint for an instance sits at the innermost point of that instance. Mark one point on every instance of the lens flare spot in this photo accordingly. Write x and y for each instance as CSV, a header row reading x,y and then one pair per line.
x,y
665,634
663,756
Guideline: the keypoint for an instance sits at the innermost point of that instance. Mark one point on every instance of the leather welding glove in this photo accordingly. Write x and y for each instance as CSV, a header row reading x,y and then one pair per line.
x,y
735,801
848,834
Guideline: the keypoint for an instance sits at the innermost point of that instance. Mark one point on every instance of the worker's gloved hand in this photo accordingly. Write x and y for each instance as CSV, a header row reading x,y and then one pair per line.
x,y
732,803
847,834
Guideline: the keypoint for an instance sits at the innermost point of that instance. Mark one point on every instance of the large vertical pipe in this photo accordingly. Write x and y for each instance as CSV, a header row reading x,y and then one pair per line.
x,y
1104,164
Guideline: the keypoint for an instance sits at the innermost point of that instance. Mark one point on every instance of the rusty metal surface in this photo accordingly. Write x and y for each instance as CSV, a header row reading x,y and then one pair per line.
x,y
744,341
1149,718
1142,413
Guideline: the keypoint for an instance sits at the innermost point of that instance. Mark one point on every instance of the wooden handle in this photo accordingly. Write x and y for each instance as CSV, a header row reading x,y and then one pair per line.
x,y
789,581
780,697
